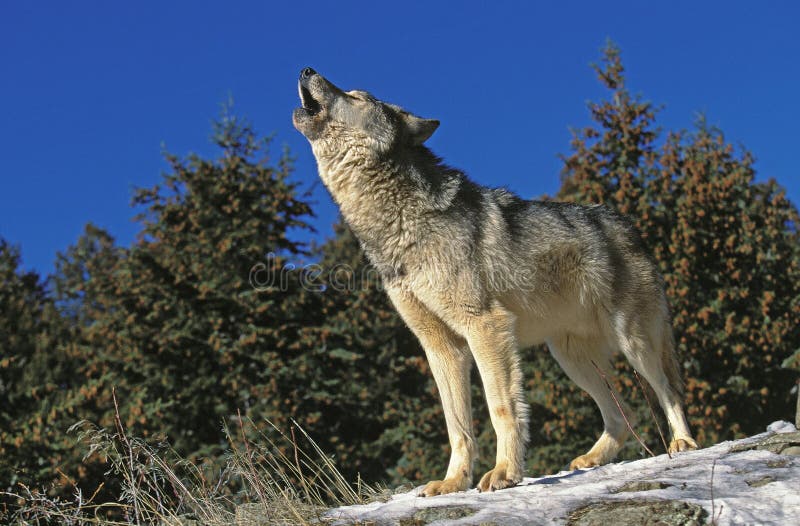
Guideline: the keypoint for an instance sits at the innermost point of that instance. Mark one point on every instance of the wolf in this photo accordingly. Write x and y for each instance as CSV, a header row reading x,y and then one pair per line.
x,y
479,273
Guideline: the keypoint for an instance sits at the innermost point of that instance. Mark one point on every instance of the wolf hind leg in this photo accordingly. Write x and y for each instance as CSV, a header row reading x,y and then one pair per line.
x,y
577,357
651,352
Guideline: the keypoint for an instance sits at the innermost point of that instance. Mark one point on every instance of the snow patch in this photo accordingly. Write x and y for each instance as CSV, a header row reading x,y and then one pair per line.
x,y
749,486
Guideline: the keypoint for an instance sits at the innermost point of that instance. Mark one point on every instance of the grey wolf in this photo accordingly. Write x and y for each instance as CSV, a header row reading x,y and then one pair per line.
x,y
478,273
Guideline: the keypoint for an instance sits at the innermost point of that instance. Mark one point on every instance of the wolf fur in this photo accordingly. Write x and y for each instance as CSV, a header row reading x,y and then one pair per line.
x,y
478,273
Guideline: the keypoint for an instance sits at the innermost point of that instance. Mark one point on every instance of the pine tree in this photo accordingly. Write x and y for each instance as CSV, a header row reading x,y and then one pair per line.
x,y
34,375
380,394
727,246
218,310
173,324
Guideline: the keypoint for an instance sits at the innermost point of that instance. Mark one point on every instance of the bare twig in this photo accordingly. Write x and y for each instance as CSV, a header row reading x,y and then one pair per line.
x,y
621,411
96,491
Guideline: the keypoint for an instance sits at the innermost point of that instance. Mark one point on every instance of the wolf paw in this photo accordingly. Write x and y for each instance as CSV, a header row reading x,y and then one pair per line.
x,y
443,487
584,462
499,478
682,444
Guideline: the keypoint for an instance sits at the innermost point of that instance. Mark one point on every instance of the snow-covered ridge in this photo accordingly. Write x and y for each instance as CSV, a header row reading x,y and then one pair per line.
x,y
756,480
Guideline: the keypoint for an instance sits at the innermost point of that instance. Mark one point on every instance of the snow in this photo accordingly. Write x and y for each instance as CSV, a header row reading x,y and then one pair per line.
x,y
749,487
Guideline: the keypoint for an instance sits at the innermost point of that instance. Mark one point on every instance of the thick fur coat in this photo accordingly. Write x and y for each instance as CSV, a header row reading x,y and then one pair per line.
x,y
478,273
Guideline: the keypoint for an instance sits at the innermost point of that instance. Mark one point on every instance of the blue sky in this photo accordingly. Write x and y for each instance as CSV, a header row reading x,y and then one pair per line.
x,y
92,91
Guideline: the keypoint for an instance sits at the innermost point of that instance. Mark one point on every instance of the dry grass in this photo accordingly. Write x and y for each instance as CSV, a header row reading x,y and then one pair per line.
x,y
274,479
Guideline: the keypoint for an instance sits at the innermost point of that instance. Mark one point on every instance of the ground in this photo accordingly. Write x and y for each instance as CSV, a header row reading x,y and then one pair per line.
x,y
750,481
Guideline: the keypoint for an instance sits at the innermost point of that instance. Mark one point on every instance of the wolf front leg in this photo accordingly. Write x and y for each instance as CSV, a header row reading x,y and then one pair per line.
x,y
491,338
450,363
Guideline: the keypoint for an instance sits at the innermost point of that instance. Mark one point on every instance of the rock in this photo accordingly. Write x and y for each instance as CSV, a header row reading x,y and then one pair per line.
x,y
641,485
777,443
780,463
639,513
428,515
761,481
749,481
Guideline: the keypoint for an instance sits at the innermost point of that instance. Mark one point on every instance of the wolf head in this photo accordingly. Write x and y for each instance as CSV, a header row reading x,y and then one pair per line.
x,y
332,118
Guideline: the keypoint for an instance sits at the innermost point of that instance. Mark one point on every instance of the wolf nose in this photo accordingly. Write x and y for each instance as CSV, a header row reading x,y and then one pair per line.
x,y
307,72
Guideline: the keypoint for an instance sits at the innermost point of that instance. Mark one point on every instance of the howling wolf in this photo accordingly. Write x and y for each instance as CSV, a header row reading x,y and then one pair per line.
x,y
478,273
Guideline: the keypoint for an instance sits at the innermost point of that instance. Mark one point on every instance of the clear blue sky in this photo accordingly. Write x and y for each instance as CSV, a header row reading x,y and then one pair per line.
x,y
91,91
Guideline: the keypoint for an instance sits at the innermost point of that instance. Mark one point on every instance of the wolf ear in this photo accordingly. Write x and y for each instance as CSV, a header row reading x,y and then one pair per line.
x,y
419,129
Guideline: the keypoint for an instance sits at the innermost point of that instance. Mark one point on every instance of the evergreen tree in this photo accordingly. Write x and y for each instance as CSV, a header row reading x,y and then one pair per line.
x,y
177,327
173,324
34,375
727,246
217,310
388,418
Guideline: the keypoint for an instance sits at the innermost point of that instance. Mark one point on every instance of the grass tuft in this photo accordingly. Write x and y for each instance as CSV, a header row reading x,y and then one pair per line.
x,y
272,479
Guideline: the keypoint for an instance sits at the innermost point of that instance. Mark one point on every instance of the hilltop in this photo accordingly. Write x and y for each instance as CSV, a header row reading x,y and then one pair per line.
x,y
747,481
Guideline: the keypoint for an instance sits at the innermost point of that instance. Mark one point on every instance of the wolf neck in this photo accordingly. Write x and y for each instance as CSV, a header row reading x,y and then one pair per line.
x,y
389,202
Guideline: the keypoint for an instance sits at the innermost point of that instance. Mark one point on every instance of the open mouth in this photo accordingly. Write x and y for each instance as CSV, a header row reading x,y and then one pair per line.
x,y
309,103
